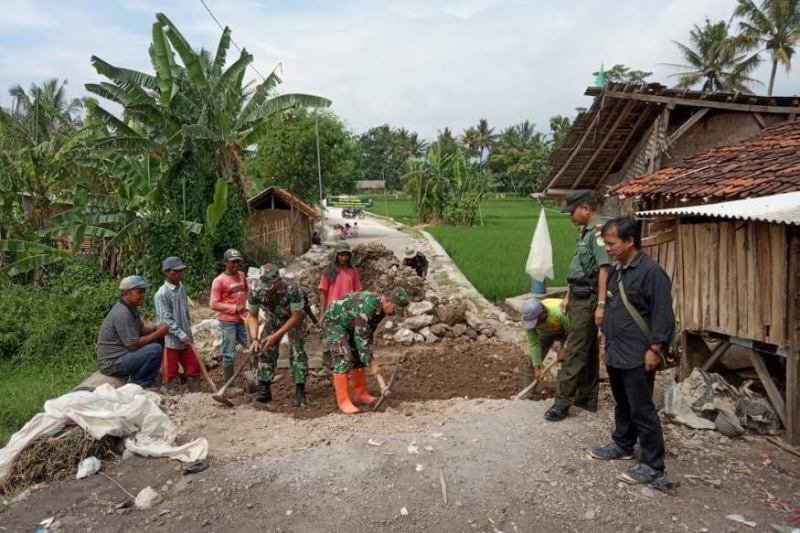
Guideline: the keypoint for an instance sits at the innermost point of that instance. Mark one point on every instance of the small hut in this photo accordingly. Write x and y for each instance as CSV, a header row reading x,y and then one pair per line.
x,y
725,225
281,217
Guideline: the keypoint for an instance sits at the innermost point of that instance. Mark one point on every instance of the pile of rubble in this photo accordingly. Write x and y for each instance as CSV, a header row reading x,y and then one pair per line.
x,y
428,319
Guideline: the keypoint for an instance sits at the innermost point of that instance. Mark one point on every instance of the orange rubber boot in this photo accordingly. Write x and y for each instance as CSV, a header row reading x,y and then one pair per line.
x,y
342,389
359,376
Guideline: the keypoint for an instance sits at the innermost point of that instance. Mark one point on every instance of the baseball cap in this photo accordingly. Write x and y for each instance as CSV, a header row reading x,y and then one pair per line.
x,y
400,297
575,199
133,282
410,252
232,254
531,309
172,263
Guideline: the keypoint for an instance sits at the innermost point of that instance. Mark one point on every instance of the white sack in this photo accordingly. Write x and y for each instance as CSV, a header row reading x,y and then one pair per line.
x,y
540,258
128,411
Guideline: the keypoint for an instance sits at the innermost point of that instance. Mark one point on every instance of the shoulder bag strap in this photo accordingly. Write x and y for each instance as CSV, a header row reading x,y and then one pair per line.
x,y
632,310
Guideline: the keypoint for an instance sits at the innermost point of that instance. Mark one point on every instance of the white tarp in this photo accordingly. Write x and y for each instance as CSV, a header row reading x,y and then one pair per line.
x,y
128,411
540,258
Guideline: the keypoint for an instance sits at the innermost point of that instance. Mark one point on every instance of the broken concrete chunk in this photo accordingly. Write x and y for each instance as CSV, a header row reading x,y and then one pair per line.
x,y
147,498
404,336
419,308
416,323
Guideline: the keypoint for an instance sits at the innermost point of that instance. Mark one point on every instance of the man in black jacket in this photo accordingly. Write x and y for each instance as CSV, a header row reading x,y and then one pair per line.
x,y
636,332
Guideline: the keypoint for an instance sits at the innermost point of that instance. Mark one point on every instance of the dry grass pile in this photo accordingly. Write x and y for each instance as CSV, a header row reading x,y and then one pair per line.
x,y
55,458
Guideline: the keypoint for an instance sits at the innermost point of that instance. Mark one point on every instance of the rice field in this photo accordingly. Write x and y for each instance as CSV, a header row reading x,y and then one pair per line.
x,y
493,255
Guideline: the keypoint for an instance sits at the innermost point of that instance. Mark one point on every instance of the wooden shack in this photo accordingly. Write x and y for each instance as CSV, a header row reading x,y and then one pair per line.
x,y
279,216
725,225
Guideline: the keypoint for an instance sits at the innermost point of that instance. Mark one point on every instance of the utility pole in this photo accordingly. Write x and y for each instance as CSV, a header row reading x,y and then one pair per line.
x,y
319,175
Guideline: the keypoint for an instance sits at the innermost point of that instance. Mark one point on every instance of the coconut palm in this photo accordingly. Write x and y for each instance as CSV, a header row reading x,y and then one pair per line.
x,y
471,140
715,61
774,27
487,138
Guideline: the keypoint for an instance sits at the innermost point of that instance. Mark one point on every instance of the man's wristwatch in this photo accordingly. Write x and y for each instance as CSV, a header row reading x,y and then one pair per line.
x,y
601,304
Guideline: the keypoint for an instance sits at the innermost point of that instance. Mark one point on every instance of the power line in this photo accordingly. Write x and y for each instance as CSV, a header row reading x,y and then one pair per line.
x,y
214,18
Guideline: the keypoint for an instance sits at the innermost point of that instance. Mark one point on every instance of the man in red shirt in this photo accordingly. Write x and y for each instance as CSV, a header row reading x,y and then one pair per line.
x,y
228,298
337,281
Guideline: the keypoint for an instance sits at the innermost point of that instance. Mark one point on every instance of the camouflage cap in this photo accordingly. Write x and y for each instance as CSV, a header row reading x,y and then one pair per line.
x,y
270,273
400,297
576,199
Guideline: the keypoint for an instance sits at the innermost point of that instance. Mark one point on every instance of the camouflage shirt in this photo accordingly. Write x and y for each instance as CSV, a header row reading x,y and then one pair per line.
x,y
280,303
359,314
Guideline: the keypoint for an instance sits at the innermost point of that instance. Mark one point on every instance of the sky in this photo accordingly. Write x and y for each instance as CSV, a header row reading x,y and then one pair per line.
x,y
422,65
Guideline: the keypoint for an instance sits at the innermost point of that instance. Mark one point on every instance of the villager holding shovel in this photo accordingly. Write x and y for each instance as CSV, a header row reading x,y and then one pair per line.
x,y
172,309
544,323
637,327
585,304
284,303
338,280
349,326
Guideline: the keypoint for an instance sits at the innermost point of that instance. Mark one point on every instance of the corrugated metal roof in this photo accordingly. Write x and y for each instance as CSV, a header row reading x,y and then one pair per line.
x,y
777,208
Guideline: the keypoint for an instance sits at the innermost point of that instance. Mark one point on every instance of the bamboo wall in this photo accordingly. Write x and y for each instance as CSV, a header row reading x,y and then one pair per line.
x,y
731,278
290,230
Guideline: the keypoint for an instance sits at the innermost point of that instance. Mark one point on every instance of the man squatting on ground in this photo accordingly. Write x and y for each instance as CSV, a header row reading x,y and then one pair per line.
x,y
338,280
635,334
587,275
349,326
284,303
416,260
228,298
544,323
172,309
126,348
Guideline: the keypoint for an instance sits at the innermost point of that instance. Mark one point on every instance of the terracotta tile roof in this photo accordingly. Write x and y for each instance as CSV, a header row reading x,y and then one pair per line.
x,y
260,201
768,163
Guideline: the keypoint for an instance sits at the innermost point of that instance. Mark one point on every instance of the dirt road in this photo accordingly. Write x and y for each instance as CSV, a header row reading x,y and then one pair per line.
x,y
504,469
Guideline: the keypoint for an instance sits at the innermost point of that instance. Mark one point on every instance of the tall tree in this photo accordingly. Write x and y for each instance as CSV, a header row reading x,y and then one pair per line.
x,y
715,61
774,27
487,137
286,155
470,139
385,151
520,158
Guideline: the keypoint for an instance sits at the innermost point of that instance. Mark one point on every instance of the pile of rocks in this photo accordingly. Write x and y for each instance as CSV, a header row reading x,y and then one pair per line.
x,y
427,319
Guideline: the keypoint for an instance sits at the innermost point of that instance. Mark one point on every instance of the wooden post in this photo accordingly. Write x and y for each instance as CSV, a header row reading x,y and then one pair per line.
x,y
793,334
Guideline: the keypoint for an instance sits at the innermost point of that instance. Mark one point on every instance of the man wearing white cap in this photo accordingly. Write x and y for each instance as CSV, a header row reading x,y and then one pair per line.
x,y
126,348
544,323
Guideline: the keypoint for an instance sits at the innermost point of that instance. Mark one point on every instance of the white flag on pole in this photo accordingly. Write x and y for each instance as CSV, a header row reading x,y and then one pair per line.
x,y
540,258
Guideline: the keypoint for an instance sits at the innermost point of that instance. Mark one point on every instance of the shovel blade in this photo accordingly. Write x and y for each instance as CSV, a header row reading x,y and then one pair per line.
x,y
223,400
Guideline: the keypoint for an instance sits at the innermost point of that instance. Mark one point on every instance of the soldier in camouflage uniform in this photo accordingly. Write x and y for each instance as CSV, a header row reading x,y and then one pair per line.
x,y
349,326
284,303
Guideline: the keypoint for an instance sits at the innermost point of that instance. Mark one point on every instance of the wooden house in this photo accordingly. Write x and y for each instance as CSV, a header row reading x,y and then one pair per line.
x,y
725,225
279,216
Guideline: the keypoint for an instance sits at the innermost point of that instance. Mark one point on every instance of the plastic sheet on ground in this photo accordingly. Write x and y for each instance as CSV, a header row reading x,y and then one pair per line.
x,y
128,411
697,400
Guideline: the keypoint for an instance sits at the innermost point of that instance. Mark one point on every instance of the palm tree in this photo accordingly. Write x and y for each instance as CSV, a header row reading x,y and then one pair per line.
x,y
773,26
715,60
623,74
471,140
487,138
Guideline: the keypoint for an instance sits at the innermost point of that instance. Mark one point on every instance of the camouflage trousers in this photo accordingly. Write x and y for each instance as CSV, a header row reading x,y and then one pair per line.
x,y
344,354
298,358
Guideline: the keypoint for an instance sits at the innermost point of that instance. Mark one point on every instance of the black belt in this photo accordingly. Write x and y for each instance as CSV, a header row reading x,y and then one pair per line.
x,y
581,291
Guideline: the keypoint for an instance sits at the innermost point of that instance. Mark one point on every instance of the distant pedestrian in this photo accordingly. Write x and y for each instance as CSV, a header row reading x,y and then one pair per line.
x,y
637,327
545,324
316,239
228,298
585,302
126,348
338,280
172,309
354,230
416,260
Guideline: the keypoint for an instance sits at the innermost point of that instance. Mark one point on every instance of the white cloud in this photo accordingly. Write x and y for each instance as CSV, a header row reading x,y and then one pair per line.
x,y
418,64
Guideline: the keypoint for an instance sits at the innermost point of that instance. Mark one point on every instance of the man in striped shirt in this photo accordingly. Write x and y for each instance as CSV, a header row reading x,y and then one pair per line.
x,y
172,309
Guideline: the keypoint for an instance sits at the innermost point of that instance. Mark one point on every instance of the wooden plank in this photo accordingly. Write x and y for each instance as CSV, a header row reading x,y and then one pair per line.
x,y
704,246
659,238
741,277
625,143
669,264
622,116
778,285
691,121
716,355
733,279
576,149
677,284
697,260
760,120
723,291
793,358
764,265
754,328
712,318
688,102
773,393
